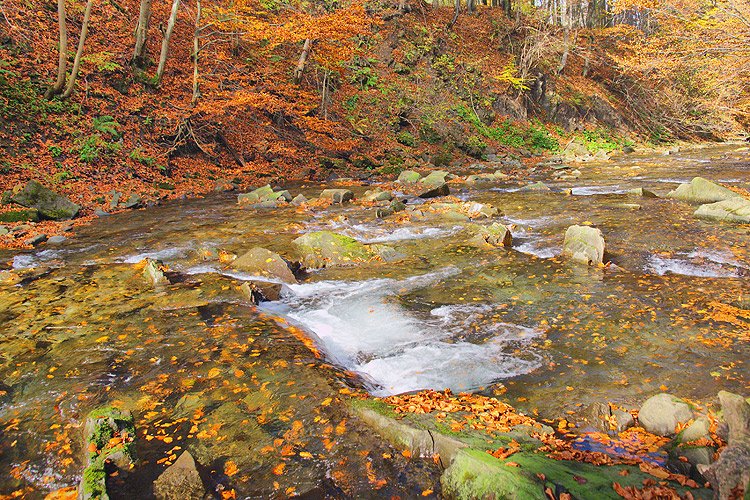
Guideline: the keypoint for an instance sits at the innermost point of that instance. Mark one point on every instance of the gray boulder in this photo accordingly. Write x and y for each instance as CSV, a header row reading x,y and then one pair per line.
x,y
339,196
409,177
263,194
701,190
695,431
375,195
298,200
3,230
36,240
180,481
49,204
584,244
262,262
661,414
732,210
439,190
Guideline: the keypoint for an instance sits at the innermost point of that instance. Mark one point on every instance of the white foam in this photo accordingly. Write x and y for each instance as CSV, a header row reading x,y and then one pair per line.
x,y
167,253
699,263
364,327
593,190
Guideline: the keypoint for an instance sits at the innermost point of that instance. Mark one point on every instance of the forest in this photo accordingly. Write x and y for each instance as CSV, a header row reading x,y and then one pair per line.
x,y
375,248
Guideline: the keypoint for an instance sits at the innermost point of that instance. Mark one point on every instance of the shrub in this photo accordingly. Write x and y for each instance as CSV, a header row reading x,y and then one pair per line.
x,y
406,138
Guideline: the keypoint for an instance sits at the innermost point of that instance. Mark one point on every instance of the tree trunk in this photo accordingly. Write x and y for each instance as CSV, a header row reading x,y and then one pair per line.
x,y
300,69
62,63
470,6
456,12
165,40
564,58
79,52
141,33
196,49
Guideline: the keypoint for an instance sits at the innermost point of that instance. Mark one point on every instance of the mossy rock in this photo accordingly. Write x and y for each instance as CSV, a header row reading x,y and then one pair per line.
x,y
49,204
326,249
109,435
28,215
584,244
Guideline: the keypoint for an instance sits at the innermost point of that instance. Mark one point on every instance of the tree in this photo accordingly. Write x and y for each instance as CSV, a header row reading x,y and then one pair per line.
x,y
79,52
166,39
141,33
196,51
62,50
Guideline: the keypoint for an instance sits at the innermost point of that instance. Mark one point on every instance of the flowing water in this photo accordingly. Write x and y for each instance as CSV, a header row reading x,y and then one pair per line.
x,y
204,371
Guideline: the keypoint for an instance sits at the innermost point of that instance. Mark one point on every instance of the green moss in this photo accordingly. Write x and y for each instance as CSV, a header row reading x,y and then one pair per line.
x,y
94,480
30,215
375,405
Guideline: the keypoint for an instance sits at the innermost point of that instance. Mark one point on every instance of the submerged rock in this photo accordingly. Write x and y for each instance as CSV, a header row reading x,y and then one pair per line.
x,y
584,244
261,291
732,210
409,177
537,186
339,196
180,481
731,472
607,419
262,262
701,190
661,414
49,204
324,248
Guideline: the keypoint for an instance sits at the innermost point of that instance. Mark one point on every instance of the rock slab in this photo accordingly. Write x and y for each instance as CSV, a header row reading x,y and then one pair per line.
x,y
180,481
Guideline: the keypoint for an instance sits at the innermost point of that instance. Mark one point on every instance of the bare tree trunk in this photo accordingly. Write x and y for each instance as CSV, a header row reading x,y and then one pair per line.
x,y
470,6
299,71
196,50
402,5
79,52
62,63
564,58
141,33
324,97
165,40
456,12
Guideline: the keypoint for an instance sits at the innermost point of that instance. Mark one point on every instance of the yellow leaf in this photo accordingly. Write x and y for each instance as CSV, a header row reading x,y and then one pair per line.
x,y
230,468
213,372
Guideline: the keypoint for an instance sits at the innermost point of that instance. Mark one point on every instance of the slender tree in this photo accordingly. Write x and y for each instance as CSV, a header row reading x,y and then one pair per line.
x,y
141,33
196,50
63,51
79,52
300,69
165,40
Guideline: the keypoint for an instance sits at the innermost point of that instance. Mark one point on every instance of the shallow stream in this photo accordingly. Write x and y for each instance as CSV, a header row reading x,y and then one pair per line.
x,y
205,371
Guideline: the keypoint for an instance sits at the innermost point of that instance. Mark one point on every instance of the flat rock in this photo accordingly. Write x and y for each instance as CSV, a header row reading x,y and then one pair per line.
x,y
701,190
49,204
180,481
584,244
325,249
435,178
661,414
645,193
495,235
732,210
36,240
262,262
536,186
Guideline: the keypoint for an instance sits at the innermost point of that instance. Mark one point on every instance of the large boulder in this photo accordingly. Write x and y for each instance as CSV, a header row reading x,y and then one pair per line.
x,y
262,262
49,204
731,472
180,481
732,210
584,244
661,414
326,249
701,190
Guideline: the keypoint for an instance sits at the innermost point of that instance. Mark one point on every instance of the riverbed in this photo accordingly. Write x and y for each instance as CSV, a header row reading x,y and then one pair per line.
x,y
204,370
